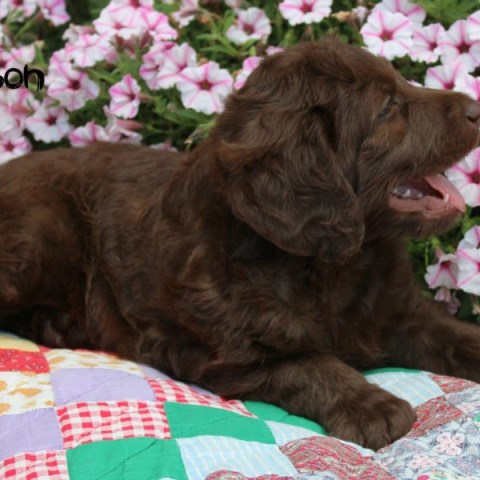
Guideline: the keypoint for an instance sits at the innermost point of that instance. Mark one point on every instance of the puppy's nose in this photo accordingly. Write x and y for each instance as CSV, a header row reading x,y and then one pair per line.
x,y
473,113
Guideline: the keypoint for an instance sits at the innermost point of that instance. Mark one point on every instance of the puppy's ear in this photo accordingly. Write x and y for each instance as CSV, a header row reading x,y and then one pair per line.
x,y
301,203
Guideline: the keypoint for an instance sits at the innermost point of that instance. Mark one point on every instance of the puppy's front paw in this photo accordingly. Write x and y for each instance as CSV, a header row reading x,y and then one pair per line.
x,y
374,418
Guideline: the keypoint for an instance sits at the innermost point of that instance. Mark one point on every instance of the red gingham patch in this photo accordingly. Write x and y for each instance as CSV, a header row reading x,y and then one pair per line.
x,y
21,361
35,466
87,422
171,391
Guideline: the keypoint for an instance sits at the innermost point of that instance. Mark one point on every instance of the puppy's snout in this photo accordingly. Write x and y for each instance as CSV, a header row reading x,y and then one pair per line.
x,y
472,113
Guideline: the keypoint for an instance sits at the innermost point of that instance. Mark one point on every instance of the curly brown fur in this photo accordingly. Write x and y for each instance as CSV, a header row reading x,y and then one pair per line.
x,y
269,263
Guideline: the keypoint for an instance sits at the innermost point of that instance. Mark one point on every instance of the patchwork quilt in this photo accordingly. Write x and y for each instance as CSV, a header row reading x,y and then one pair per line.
x,y
81,415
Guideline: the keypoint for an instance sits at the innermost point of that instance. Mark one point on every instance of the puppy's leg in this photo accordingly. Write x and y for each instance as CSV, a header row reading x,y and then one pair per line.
x,y
326,390
103,321
430,339
39,267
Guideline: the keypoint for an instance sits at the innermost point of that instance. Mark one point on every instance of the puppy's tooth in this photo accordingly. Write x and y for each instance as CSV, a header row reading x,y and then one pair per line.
x,y
446,197
408,193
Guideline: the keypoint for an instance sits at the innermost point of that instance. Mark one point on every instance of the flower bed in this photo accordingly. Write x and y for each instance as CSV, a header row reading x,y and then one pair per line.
x,y
157,72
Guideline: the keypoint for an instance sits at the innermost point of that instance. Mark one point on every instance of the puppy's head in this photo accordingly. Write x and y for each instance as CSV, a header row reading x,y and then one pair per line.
x,y
327,145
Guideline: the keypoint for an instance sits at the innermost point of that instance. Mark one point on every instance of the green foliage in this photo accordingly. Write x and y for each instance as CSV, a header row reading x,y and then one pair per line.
x,y
448,11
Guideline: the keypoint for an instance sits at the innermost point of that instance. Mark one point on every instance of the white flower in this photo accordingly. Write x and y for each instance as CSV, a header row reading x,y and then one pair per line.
x,y
204,88
444,76
425,43
455,45
414,12
251,24
388,34
471,239
305,11
248,66
13,144
125,97
88,49
89,133
468,262
71,87
444,273
465,176
49,123
164,64
473,26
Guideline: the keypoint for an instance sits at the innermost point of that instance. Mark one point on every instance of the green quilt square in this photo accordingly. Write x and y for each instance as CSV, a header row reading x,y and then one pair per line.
x,y
127,459
187,421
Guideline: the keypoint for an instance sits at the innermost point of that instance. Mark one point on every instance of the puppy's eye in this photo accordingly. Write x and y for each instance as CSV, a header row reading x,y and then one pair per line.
x,y
387,107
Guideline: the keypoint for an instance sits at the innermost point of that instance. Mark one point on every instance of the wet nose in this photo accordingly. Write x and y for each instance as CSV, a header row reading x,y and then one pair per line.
x,y
473,113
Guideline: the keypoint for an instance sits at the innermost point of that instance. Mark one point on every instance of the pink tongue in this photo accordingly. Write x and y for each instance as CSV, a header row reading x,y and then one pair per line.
x,y
442,184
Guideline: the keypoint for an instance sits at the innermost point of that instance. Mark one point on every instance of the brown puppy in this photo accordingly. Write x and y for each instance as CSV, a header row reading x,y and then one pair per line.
x,y
269,263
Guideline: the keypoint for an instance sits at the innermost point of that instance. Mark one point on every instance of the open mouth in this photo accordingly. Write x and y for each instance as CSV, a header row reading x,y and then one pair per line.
x,y
434,196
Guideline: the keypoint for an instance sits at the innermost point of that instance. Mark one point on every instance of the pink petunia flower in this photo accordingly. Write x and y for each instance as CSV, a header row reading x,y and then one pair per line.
x,y
361,13
15,106
251,24
88,49
414,12
54,10
468,263
443,273
155,24
473,26
133,3
187,12
89,133
204,88
119,21
469,85
49,123
305,11
59,61
272,50
23,55
248,66
444,77
465,175
71,87
7,123
17,57
164,64
455,45
152,61
425,43
13,144
119,130
125,97
448,297
388,34
471,239
23,8
74,32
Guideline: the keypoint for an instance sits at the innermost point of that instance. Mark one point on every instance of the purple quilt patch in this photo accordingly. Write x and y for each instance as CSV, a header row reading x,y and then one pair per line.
x,y
34,431
90,385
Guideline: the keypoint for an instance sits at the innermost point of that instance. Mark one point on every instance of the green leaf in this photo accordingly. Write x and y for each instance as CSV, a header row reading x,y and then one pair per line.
x,y
448,11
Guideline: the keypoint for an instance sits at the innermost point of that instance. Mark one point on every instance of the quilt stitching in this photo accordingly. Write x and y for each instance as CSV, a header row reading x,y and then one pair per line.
x,y
444,443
